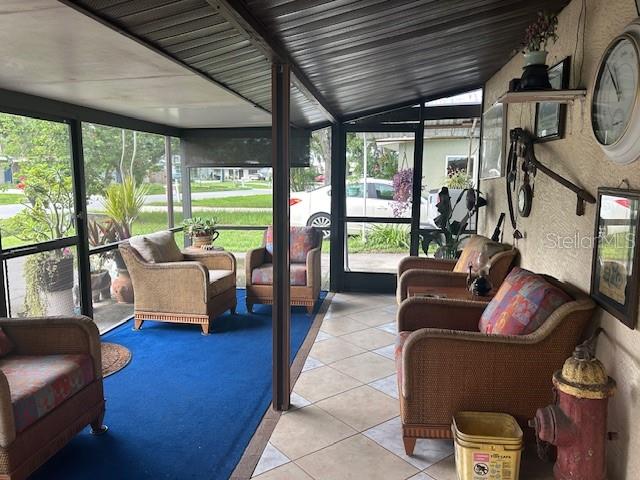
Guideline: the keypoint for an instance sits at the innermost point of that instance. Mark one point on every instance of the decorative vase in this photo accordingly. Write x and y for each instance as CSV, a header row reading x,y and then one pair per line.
x,y
100,285
59,302
122,287
200,241
535,75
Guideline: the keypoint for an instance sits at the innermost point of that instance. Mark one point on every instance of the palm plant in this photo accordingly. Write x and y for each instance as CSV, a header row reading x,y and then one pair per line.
x,y
123,203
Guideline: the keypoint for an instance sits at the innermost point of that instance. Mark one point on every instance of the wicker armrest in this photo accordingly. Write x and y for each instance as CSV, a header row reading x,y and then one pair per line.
x,y
425,263
55,336
7,420
253,259
428,278
212,260
434,359
314,272
418,312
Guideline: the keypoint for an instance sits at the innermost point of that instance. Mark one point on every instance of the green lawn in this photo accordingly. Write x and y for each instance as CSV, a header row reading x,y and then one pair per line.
x,y
11,198
249,201
232,240
212,186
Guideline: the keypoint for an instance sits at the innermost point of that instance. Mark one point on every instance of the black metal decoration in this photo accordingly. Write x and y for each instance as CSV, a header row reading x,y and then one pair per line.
x,y
551,116
616,254
522,146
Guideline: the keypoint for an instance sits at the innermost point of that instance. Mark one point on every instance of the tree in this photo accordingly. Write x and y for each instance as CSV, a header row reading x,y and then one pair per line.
x,y
112,153
321,151
42,151
381,162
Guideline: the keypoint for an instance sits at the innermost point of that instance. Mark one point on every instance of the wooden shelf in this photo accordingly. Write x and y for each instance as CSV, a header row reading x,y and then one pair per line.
x,y
558,96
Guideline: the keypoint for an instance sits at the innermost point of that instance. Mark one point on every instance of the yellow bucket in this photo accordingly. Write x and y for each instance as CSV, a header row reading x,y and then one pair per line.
x,y
487,446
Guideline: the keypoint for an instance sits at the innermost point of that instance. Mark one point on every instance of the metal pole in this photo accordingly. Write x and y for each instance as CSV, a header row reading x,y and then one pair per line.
x,y
169,174
416,205
338,165
365,186
280,91
80,197
185,179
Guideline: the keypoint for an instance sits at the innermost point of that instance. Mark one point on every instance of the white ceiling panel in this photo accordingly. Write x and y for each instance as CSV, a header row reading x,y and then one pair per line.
x,y
51,50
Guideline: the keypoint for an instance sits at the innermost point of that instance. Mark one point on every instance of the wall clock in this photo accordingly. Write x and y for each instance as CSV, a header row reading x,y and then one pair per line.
x,y
525,198
615,113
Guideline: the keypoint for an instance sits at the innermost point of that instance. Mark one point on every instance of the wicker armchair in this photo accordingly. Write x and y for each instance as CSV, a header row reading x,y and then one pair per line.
x,y
37,416
192,288
432,272
305,254
445,365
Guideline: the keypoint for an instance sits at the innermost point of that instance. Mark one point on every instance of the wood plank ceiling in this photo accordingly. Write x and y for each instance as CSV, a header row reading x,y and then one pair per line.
x,y
360,55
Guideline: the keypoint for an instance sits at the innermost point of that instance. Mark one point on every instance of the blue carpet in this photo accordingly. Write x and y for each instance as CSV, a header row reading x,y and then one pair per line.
x,y
187,404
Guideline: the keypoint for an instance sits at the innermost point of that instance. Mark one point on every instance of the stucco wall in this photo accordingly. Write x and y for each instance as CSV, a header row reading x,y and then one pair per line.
x,y
579,158
434,158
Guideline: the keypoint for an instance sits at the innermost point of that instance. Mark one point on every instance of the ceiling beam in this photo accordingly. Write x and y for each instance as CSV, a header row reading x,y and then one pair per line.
x,y
376,111
238,14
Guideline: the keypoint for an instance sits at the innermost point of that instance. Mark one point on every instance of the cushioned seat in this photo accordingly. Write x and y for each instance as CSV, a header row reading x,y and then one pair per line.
x,y
305,247
263,275
38,384
221,281
170,285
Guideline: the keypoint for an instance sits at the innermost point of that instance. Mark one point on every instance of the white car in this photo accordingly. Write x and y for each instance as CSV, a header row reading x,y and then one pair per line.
x,y
312,208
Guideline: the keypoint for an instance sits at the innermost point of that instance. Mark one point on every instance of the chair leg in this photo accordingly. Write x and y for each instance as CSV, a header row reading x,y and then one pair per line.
x,y
409,445
97,427
205,328
137,324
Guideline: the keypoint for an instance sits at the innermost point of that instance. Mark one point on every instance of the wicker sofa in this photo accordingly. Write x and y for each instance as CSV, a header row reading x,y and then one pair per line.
x,y
432,272
178,286
446,365
305,247
50,388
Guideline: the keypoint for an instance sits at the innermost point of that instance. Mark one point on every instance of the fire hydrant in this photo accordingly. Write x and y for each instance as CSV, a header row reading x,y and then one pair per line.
x,y
577,423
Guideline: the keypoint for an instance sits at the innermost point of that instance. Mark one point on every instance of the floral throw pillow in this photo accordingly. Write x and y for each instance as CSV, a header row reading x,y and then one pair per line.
x,y
522,304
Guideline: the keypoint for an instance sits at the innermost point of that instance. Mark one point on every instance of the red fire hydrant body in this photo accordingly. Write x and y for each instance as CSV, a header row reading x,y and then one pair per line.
x,y
577,423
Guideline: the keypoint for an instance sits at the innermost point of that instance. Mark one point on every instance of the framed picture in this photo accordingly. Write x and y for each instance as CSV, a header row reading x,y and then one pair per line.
x,y
494,135
614,270
551,117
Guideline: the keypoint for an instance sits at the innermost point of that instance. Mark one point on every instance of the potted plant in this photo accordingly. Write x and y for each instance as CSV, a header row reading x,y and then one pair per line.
x,y
101,234
536,40
202,231
449,234
123,203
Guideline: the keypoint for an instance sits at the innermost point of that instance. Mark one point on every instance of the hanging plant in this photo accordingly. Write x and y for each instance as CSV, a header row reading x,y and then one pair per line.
x,y
402,191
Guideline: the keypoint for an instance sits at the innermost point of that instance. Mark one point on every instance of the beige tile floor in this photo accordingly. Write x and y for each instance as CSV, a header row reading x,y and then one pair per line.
x,y
344,422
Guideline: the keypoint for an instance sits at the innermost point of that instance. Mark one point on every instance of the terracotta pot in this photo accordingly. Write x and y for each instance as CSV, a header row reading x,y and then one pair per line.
x,y
122,287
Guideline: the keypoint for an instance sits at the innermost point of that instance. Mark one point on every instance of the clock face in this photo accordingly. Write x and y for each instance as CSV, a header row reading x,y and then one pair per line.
x,y
615,93
522,200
